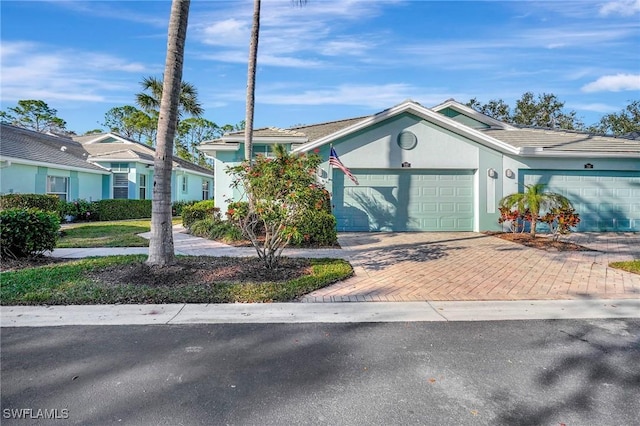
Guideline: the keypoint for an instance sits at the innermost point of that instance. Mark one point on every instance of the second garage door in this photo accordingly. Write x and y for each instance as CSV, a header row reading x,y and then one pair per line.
x,y
404,200
605,200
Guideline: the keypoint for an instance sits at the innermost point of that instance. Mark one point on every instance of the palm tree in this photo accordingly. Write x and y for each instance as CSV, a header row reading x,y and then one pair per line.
x,y
161,251
251,82
150,102
535,200
251,78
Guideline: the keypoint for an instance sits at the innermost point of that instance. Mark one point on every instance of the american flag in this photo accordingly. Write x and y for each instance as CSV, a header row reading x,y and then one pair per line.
x,y
335,162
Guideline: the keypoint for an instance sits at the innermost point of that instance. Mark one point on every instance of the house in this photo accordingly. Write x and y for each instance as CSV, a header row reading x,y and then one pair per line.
x,y
90,167
446,168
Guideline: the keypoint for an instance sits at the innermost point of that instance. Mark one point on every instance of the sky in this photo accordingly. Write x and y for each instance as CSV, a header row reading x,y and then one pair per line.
x,y
323,61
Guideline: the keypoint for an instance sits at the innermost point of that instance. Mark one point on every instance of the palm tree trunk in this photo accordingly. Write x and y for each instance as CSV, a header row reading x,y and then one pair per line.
x,y
161,251
251,81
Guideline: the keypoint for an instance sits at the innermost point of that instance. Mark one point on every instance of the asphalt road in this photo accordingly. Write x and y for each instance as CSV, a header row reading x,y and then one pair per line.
x,y
572,372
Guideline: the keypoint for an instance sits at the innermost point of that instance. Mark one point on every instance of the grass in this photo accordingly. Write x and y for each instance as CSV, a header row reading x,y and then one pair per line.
x,y
69,284
120,233
629,266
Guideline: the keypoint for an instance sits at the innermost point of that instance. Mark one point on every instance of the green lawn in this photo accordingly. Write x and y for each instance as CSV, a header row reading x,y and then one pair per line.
x,y
629,266
121,233
72,284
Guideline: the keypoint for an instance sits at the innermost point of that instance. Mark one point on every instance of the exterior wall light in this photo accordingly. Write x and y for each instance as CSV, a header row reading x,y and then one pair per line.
x,y
406,164
509,173
492,173
588,166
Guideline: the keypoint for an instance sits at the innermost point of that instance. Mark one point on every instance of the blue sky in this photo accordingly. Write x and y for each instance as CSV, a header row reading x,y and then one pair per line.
x,y
327,60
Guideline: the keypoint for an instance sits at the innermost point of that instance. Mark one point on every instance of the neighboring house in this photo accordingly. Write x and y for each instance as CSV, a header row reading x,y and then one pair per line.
x,y
446,168
91,167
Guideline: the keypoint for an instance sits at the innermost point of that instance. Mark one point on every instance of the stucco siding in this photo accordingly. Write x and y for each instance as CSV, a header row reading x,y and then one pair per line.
x,y
18,178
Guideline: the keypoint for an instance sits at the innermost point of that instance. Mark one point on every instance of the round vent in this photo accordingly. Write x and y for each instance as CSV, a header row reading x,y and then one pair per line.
x,y
407,140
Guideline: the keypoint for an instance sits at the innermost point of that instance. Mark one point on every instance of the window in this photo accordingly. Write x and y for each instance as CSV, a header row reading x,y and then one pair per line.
x,y
121,185
143,187
57,185
185,184
205,189
264,150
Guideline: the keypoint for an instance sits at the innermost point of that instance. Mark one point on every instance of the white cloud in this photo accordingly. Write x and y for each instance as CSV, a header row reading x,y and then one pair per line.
x,y
595,107
371,96
33,71
613,83
620,7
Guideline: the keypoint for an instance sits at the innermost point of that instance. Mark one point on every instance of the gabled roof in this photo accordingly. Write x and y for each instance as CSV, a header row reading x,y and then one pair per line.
x,y
114,147
540,140
500,136
472,113
30,147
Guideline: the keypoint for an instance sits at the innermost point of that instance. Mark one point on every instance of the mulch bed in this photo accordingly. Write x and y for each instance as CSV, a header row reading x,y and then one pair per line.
x,y
540,242
203,270
31,262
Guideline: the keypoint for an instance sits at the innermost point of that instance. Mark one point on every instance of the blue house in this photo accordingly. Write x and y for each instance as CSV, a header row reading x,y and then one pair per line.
x,y
446,168
91,167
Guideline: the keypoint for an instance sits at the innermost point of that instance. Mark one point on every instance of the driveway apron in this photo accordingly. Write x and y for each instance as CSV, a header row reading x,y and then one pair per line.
x,y
472,266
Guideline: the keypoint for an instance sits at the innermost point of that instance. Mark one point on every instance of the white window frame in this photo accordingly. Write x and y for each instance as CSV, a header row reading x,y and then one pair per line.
x,y
50,184
185,184
205,189
142,187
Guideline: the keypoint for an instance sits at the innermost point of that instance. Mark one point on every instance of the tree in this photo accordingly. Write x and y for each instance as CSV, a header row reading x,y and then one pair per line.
x,y
35,115
161,250
132,123
150,102
281,192
545,111
533,202
251,82
190,133
625,122
497,109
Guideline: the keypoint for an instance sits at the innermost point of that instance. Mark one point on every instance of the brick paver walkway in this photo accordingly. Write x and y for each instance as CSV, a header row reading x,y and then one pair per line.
x,y
472,266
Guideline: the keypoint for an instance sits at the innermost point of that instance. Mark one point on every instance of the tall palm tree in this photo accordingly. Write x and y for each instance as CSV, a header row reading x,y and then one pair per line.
x,y
251,82
251,78
161,251
152,87
535,200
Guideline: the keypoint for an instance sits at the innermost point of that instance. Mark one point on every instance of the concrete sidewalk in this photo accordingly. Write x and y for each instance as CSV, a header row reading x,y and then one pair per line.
x,y
286,313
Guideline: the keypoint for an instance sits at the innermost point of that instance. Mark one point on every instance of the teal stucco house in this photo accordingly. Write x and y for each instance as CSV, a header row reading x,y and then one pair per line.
x,y
90,167
445,168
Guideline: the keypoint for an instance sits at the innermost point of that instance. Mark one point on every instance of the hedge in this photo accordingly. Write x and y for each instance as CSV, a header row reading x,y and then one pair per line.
x,y
45,202
122,209
27,232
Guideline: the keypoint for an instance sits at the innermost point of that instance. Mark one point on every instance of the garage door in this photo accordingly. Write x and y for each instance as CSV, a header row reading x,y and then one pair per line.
x,y
404,200
605,200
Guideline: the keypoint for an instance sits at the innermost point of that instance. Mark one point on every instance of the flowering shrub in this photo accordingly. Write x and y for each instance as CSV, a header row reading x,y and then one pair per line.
x,y
561,220
79,210
281,193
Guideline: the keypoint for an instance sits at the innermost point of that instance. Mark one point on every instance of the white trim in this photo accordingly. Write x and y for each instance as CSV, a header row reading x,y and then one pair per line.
x,y
268,139
56,166
472,113
422,112
107,136
541,152
218,147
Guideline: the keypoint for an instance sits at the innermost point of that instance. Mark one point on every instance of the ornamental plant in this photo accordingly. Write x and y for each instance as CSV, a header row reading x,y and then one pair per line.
x,y
280,193
533,202
561,220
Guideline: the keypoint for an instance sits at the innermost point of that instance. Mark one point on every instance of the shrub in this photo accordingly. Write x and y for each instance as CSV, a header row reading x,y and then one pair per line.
x,y
198,211
216,229
178,206
45,202
122,209
561,220
318,228
79,209
27,232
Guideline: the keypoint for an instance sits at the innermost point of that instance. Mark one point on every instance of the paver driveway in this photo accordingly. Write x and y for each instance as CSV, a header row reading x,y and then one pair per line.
x,y
472,266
